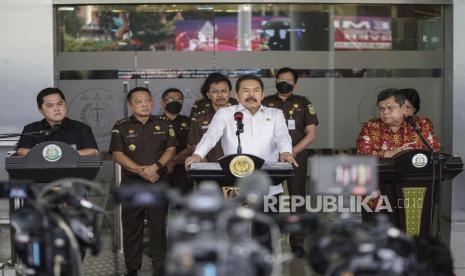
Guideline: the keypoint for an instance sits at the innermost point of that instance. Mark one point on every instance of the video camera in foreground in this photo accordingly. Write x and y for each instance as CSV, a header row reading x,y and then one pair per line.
x,y
55,226
211,235
346,246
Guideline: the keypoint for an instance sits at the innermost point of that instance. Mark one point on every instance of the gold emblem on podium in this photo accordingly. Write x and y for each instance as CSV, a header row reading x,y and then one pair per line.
x,y
241,166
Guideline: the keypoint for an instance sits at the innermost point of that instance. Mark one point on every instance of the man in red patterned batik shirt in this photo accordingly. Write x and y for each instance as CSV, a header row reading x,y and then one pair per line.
x,y
390,133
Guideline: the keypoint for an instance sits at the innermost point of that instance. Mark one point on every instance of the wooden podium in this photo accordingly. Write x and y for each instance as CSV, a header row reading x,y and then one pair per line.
x,y
411,182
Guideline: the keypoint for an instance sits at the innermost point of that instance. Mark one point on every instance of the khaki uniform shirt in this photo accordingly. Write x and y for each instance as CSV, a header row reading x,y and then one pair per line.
x,y
142,143
298,111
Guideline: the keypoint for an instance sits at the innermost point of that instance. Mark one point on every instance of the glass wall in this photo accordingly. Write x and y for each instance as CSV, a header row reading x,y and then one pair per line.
x,y
345,53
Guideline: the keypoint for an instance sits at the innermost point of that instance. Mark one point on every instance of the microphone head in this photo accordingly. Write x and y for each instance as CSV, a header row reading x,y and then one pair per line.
x,y
411,121
51,130
238,116
254,187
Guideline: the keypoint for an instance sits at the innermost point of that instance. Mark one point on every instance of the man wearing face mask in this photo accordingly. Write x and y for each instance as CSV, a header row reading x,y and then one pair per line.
x,y
301,121
171,101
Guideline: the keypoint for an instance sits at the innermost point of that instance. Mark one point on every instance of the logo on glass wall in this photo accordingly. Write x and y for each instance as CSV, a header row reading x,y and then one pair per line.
x,y
99,108
419,160
52,153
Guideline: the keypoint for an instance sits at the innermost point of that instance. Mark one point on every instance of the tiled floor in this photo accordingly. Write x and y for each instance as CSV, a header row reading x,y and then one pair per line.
x,y
111,263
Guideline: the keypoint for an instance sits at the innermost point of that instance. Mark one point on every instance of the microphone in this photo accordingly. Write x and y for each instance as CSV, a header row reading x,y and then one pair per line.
x,y
51,130
46,132
238,116
413,123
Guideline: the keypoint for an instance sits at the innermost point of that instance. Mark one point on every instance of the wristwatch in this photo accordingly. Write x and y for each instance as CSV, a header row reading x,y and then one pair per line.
x,y
159,165
161,169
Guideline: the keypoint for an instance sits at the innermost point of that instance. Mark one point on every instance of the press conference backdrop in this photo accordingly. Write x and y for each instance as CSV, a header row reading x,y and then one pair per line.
x,y
346,54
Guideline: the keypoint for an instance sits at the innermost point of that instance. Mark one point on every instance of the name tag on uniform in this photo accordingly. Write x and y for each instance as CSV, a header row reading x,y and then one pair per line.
x,y
205,127
291,124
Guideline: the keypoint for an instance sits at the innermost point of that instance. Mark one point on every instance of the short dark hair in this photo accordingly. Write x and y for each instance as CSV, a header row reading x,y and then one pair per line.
x,y
412,96
137,89
391,92
290,70
214,78
171,90
48,91
248,77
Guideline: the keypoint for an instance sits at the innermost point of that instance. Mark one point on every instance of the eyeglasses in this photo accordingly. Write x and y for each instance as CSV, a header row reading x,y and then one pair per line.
x,y
410,107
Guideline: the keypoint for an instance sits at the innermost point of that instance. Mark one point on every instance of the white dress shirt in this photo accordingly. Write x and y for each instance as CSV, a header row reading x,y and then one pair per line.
x,y
265,133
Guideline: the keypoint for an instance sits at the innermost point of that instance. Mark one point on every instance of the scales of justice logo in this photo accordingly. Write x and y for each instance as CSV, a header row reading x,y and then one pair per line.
x,y
99,108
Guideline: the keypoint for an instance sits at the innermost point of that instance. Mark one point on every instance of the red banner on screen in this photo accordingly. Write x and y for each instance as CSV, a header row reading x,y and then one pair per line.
x,y
362,33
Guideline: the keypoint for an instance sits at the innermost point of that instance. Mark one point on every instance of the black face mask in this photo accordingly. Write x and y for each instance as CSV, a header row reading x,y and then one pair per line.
x,y
284,87
173,107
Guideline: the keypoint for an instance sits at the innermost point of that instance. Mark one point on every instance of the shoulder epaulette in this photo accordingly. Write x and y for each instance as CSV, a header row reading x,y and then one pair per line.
x,y
161,117
122,122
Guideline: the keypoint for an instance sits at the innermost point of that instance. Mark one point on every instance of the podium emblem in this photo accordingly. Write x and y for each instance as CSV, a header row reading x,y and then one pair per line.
x,y
241,166
419,160
52,153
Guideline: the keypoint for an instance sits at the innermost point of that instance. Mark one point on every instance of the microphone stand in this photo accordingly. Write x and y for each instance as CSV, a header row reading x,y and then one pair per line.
x,y
240,129
10,135
437,160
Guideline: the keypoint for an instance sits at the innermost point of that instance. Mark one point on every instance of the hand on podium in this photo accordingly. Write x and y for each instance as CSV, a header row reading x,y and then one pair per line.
x,y
192,159
287,157
391,153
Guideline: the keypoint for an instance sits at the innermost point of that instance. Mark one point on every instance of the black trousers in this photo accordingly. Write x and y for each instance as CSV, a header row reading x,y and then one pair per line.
x,y
296,186
180,180
133,232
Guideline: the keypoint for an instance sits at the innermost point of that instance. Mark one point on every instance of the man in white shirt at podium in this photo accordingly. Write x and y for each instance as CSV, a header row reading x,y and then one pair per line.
x,y
265,131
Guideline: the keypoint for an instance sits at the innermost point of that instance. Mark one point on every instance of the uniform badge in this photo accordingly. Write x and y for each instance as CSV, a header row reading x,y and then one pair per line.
x,y
131,133
291,112
271,104
311,109
205,122
171,132
183,124
132,147
207,104
157,128
296,106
